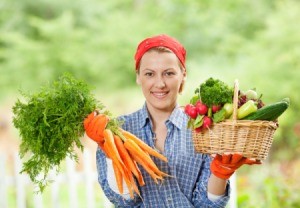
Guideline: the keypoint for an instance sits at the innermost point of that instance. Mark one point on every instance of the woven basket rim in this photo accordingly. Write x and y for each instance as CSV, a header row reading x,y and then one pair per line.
x,y
229,122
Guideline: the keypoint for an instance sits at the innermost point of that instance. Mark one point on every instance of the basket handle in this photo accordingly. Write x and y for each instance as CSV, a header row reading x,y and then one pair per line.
x,y
235,100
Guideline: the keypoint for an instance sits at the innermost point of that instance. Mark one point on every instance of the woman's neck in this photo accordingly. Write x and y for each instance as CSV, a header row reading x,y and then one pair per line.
x,y
159,117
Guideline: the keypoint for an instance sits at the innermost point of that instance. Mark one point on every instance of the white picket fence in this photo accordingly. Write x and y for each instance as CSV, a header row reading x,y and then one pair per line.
x,y
20,186
16,190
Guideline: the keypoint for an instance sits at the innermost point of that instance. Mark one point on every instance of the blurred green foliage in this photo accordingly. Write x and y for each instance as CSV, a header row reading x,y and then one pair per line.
x,y
257,42
270,185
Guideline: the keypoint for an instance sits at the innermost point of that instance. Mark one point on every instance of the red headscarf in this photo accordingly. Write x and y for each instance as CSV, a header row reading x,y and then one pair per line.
x,y
156,41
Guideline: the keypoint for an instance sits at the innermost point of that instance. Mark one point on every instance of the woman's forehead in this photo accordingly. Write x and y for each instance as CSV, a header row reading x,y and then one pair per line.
x,y
154,60
151,57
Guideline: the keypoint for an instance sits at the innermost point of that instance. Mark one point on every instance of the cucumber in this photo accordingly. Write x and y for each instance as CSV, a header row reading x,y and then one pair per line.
x,y
269,112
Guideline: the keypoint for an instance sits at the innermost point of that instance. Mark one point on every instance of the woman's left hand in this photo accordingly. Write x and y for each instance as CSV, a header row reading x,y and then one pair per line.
x,y
223,166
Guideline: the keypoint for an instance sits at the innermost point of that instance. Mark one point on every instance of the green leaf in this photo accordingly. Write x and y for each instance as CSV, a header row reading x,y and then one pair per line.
x,y
198,121
194,99
219,116
190,124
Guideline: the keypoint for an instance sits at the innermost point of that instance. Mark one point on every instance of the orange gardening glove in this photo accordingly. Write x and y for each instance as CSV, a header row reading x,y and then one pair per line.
x,y
223,166
94,126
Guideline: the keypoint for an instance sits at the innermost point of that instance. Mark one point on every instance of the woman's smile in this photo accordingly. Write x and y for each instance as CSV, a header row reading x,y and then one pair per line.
x,y
159,94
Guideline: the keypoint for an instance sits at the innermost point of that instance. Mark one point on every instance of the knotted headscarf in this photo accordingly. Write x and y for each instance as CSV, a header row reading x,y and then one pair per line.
x,y
160,40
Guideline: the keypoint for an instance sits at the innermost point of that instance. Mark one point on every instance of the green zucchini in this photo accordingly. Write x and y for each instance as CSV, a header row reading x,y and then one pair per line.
x,y
269,112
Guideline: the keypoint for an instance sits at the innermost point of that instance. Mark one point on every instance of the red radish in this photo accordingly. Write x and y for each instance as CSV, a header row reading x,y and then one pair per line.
x,y
215,108
198,130
187,108
201,108
207,122
191,111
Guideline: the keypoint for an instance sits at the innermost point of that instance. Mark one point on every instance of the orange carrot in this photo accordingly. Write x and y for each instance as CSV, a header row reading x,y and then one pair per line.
x,y
134,186
88,120
143,157
129,185
143,145
128,162
95,129
102,145
135,149
140,177
157,170
111,146
119,168
147,168
119,177
112,152
101,123
124,155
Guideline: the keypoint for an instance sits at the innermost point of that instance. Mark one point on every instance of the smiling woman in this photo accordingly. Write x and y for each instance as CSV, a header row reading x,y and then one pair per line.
x,y
162,124
160,78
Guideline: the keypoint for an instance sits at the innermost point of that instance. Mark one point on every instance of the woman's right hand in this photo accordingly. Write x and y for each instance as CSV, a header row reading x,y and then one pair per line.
x,y
94,125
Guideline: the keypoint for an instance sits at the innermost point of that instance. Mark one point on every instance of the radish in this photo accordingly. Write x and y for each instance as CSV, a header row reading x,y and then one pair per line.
x,y
215,108
201,108
199,129
187,108
191,111
207,122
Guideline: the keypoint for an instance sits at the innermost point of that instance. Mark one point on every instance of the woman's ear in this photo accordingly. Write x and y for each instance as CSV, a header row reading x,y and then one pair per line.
x,y
184,77
182,83
137,79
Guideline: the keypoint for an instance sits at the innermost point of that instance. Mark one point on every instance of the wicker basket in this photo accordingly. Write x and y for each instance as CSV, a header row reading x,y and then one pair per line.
x,y
252,138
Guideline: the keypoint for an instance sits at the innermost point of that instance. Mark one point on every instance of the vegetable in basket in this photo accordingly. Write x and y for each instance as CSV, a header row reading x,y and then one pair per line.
x,y
246,109
270,112
251,107
214,92
206,106
248,137
214,99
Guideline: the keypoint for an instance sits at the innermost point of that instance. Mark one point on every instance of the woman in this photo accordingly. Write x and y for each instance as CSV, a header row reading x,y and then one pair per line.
x,y
197,180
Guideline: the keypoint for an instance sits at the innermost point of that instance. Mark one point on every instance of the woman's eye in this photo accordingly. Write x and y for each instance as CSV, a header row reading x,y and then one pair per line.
x,y
149,74
169,74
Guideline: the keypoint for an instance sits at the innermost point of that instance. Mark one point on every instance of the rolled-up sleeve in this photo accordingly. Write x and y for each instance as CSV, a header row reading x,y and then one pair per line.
x,y
200,198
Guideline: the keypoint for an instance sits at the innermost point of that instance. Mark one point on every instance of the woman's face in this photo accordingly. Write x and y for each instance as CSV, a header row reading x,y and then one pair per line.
x,y
160,78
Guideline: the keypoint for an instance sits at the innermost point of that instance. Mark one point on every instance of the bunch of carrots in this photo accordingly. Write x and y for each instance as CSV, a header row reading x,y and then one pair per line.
x,y
125,150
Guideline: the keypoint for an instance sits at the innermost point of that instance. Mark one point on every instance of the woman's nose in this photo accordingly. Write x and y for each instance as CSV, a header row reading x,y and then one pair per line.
x,y
160,82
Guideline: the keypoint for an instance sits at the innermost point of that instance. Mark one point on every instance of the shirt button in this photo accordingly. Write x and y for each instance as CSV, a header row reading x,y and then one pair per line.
x,y
169,198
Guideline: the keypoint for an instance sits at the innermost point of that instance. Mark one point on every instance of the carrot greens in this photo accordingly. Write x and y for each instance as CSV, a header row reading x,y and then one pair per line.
x,y
50,124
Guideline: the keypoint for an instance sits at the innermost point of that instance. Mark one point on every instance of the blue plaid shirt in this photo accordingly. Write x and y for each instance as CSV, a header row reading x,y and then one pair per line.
x,y
190,171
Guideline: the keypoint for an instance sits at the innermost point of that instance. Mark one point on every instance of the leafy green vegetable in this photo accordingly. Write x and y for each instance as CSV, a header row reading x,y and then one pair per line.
x,y
215,92
219,116
50,124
